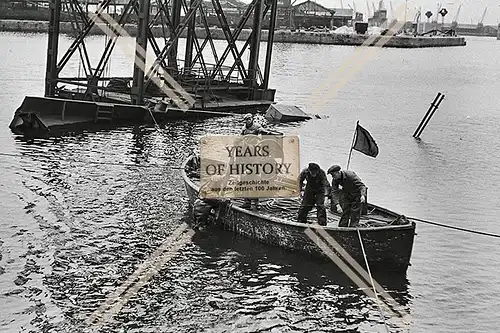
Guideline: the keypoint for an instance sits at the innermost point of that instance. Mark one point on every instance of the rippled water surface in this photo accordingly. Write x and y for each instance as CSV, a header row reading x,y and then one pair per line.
x,y
75,225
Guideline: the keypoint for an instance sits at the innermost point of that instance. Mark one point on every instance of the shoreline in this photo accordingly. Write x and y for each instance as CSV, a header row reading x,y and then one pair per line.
x,y
280,36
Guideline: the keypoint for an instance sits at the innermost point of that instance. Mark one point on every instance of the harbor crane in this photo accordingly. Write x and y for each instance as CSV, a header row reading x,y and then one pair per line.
x,y
480,23
454,22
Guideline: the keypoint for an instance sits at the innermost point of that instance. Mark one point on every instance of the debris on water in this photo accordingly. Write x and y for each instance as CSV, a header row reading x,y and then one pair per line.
x,y
21,280
214,302
14,292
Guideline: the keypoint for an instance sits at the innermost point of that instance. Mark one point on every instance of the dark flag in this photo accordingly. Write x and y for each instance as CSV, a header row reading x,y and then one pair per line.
x,y
365,142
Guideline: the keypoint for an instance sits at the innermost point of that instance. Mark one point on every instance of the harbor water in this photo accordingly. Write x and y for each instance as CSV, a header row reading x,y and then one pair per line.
x,y
75,225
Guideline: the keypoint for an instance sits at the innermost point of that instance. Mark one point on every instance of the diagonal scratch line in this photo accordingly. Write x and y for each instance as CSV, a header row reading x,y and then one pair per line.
x,y
140,63
139,51
353,65
341,264
148,268
400,317
360,270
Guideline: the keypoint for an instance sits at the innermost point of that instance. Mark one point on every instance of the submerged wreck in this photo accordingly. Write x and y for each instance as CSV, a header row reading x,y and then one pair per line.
x,y
169,88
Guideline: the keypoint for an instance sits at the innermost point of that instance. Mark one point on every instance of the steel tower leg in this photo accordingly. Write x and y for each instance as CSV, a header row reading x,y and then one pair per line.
x,y
176,20
270,41
253,64
51,74
140,53
188,58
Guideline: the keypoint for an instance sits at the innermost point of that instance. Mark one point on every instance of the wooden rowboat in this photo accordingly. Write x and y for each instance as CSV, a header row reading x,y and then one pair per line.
x,y
387,236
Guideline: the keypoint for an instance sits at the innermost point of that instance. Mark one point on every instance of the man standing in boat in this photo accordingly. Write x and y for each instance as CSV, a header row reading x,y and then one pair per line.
x,y
353,192
314,193
253,127
193,164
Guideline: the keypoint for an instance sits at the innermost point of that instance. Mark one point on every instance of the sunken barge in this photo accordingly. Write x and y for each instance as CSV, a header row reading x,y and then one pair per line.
x,y
168,87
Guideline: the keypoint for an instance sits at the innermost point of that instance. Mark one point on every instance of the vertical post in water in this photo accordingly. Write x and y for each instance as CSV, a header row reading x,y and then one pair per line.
x,y
253,65
270,42
430,116
426,115
140,53
52,48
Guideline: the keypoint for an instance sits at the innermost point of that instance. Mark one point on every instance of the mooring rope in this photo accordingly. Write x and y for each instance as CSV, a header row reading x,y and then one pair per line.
x,y
371,281
477,232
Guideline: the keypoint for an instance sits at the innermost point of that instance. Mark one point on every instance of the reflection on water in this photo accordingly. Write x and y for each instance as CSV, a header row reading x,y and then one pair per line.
x,y
102,221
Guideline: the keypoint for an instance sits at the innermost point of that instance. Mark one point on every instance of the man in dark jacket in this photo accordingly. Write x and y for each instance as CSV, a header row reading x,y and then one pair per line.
x,y
314,193
253,127
354,194
193,165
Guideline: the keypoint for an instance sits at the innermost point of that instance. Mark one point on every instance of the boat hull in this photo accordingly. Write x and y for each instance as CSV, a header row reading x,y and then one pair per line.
x,y
387,248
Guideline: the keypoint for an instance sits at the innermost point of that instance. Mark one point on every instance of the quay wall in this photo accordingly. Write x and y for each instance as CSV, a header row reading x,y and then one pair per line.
x,y
280,36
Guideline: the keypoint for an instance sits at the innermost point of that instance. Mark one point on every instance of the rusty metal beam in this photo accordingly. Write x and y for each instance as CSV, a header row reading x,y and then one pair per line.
x,y
229,37
51,72
140,53
108,49
188,56
208,39
253,62
170,43
176,20
247,43
79,39
270,42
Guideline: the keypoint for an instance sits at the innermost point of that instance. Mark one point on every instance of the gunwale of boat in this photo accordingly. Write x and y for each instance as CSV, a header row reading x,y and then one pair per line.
x,y
258,214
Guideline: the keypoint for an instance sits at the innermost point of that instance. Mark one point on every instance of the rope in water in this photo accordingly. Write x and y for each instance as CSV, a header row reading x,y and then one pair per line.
x,y
92,162
371,281
289,205
477,232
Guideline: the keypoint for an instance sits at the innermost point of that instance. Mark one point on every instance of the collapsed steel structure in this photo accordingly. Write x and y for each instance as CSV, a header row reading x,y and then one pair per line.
x,y
227,78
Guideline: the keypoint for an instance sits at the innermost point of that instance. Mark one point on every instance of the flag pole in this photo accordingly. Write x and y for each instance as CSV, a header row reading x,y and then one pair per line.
x,y
352,145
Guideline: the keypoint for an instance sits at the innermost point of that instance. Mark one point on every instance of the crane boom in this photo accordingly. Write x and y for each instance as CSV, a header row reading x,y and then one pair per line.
x,y
482,17
455,19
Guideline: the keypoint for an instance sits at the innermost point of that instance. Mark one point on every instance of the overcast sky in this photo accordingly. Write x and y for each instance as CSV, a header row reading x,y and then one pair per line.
x,y
471,9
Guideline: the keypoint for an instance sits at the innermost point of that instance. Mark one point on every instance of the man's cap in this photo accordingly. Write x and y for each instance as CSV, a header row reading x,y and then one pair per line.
x,y
333,169
248,116
313,166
